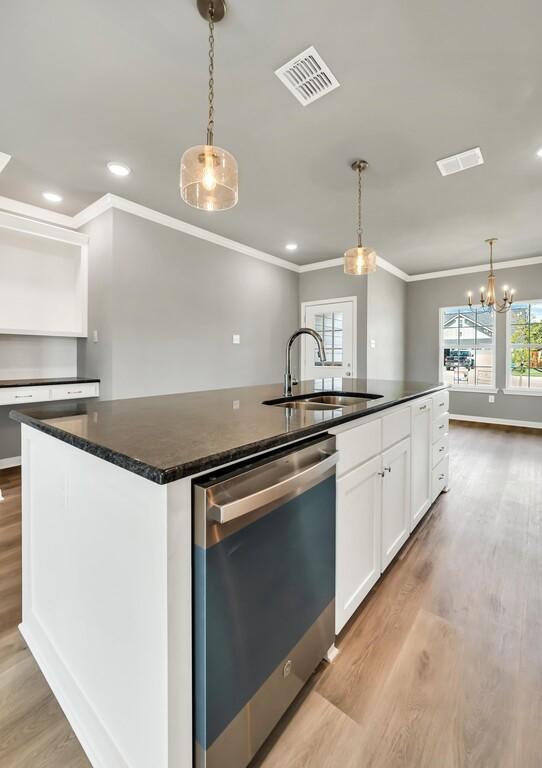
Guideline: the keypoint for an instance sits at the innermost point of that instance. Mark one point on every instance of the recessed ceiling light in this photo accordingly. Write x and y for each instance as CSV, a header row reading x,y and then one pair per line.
x,y
291,246
539,153
52,197
118,169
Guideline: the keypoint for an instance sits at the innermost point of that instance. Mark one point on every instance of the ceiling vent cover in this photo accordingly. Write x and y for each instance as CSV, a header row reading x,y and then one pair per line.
x,y
307,76
461,162
4,160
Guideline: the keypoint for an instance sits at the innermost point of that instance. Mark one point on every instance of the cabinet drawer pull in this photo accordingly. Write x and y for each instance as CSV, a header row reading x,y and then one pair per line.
x,y
441,405
22,397
75,392
382,474
422,407
443,448
441,426
387,469
441,477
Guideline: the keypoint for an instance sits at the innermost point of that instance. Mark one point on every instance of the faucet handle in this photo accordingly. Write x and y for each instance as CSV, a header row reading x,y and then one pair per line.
x,y
295,381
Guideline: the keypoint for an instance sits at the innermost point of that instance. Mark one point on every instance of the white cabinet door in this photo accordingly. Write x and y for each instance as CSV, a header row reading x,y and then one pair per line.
x,y
358,537
421,460
395,500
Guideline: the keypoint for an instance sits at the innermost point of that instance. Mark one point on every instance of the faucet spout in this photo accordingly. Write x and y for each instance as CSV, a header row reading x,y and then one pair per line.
x,y
288,369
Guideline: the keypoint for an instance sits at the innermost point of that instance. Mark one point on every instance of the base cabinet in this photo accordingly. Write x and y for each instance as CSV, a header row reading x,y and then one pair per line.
x,y
359,495
421,439
395,500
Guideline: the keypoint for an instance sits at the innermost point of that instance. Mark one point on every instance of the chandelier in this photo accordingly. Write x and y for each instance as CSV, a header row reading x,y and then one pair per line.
x,y
488,298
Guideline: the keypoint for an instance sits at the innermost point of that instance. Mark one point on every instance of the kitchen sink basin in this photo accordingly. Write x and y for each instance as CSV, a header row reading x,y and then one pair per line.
x,y
323,401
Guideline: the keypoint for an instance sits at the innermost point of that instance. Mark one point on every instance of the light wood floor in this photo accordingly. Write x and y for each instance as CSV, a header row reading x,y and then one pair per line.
x,y
442,667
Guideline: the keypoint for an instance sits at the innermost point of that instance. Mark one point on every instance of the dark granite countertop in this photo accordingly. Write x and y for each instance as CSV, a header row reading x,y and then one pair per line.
x,y
167,437
45,382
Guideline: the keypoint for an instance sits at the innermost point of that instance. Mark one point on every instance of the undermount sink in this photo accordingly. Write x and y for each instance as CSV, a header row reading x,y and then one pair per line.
x,y
328,401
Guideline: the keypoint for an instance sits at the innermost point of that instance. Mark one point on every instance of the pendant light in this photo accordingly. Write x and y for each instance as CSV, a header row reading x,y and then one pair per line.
x,y
488,298
360,260
209,175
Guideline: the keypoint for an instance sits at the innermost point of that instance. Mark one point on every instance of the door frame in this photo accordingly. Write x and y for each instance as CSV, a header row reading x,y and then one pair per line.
x,y
317,302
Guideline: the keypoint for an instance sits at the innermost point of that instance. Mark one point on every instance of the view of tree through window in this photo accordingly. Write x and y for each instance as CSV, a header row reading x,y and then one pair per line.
x,y
525,346
467,349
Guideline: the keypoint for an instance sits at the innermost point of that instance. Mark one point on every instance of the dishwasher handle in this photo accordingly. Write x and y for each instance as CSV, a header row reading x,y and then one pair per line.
x,y
284,489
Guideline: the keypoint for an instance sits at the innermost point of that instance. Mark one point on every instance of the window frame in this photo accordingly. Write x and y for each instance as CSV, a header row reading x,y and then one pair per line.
x,y
490,389
510,389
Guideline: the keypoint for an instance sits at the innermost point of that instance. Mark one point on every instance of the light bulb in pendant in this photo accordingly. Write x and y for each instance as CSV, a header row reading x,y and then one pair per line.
x,y
209,179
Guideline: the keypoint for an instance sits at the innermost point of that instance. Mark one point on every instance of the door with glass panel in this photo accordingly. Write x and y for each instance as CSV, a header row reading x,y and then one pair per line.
x,y
335,321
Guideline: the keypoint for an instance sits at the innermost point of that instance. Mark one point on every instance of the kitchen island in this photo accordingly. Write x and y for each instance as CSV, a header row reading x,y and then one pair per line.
x,y
107,539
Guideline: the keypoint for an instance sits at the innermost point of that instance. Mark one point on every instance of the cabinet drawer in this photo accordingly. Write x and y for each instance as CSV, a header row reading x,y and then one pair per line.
x,y
441,403
439,478
395,427
440,427
440,450
22,395
74,391
358,444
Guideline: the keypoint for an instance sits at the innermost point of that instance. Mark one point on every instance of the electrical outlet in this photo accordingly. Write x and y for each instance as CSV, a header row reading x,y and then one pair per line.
x,y
236,338
491,398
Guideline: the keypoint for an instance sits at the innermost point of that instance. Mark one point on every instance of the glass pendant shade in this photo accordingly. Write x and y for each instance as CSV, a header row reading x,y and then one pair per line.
x,y
359,261
209,178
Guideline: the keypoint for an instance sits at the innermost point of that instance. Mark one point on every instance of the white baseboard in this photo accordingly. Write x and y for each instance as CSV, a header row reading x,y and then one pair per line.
x,y
14,461
94,739
492,420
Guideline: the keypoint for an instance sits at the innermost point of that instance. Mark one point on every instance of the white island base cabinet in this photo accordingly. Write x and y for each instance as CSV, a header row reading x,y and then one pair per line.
x,y
387,480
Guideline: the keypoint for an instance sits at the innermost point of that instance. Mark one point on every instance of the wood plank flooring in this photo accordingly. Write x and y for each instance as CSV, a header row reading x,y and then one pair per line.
x,y
441,668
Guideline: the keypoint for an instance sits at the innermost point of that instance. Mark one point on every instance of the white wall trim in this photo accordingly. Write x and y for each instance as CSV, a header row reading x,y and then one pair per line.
x,y
478,268
380,262
108,201
492,420
35,212
41,229
13,461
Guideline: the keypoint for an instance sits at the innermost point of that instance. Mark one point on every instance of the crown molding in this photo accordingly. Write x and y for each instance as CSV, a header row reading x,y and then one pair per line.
x,y
527,262
109,201
42,229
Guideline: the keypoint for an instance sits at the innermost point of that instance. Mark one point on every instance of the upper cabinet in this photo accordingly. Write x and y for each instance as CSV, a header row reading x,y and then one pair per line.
x,y
43,278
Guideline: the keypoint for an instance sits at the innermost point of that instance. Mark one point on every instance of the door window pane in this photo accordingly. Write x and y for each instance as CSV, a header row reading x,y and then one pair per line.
x,y
329,325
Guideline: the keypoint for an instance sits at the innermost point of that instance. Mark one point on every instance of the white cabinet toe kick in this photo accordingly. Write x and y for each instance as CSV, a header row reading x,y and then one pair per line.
x,y
391,469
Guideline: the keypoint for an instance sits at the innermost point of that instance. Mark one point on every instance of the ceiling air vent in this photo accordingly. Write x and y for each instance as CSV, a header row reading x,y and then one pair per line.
x,y
4,160
461,162
307,76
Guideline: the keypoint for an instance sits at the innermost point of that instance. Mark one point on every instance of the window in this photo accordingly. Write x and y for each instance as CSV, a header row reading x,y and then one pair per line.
x,y
524,347
330,327
467,347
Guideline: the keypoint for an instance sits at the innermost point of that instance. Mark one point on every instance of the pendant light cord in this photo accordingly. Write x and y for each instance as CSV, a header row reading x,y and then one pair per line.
x,y
211,119
360,230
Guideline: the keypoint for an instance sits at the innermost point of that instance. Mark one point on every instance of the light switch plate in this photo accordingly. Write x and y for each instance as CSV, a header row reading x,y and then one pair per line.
x,y
373,343
236,338
491,398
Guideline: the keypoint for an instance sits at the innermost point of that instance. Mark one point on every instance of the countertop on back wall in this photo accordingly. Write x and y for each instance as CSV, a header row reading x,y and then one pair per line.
x,y
167,437
45,382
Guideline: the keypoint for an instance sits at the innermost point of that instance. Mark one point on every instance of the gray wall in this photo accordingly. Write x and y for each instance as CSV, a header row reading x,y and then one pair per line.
x,y
26,357
425,297
166,305
386,320
381,315
332,283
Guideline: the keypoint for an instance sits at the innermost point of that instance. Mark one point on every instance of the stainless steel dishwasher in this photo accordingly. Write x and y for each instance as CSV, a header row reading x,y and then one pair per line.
x,y
264,594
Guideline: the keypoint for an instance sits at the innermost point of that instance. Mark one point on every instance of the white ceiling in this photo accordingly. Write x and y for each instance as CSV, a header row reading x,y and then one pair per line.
x,y
87,82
